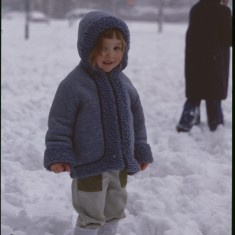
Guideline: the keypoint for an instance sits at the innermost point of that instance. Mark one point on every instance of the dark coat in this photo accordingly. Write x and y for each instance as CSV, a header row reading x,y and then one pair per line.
x,y
208,41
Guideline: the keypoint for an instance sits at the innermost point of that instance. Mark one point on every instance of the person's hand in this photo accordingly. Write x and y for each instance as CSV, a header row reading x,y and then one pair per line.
x,y
60,167
143,166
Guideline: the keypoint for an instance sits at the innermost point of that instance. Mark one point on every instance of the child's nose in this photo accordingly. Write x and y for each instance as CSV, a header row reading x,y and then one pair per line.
x,y
110,54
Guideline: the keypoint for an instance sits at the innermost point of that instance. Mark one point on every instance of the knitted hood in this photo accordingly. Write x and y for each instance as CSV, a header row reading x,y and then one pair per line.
x,y
211,1
91,26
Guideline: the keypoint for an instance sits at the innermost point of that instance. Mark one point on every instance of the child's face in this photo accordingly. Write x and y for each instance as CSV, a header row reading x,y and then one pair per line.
x,y
110,55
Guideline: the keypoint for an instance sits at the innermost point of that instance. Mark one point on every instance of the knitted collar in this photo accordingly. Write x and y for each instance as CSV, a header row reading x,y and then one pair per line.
x,y
113,98
114,112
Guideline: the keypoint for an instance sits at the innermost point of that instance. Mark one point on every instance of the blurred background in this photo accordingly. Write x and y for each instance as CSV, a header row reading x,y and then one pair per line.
x,y
143,10
170,11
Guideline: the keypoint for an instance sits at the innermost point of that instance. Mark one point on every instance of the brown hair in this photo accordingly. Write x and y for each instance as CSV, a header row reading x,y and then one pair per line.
x,y
109,33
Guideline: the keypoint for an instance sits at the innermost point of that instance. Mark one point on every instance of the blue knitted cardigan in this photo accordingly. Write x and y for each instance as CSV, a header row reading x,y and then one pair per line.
x,y
96,122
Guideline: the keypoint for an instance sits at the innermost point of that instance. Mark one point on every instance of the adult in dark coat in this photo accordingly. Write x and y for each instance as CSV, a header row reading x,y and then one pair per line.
x,y
208,41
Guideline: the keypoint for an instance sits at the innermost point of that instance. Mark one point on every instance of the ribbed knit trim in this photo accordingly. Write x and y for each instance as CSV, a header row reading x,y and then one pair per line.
x,y
109,115
124,119
57,154
143,153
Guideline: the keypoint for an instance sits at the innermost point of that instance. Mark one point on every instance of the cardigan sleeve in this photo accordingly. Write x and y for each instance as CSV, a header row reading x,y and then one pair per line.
x,y
59,136
142,150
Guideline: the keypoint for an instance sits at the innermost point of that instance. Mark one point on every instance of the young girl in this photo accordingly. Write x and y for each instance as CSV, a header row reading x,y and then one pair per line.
x,y
96,127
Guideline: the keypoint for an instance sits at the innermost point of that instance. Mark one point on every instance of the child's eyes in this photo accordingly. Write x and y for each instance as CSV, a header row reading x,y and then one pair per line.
x,y
117,48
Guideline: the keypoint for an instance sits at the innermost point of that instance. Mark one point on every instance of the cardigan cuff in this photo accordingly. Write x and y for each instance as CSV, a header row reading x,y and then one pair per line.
x,y
143,153
58,154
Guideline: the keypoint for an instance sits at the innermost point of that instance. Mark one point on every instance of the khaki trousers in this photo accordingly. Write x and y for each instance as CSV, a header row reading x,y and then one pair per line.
x,y
100,199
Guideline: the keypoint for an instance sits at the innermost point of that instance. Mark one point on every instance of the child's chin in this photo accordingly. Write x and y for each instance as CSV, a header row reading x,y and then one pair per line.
x,y
107,70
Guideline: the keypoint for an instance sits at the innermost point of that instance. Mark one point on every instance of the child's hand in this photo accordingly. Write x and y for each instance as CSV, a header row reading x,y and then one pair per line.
x,y
143,166
60,167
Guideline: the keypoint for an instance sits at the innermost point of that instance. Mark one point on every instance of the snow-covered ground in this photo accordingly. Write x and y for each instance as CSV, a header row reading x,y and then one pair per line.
x,y
186,191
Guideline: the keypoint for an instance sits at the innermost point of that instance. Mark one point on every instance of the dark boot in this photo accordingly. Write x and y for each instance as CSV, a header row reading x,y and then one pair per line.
x,y
214,114
190,116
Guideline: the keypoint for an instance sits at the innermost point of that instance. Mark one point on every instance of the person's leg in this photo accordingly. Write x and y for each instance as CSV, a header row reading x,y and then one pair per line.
x,y
190,115
214,114
109,228
88,196
115,203
81,231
